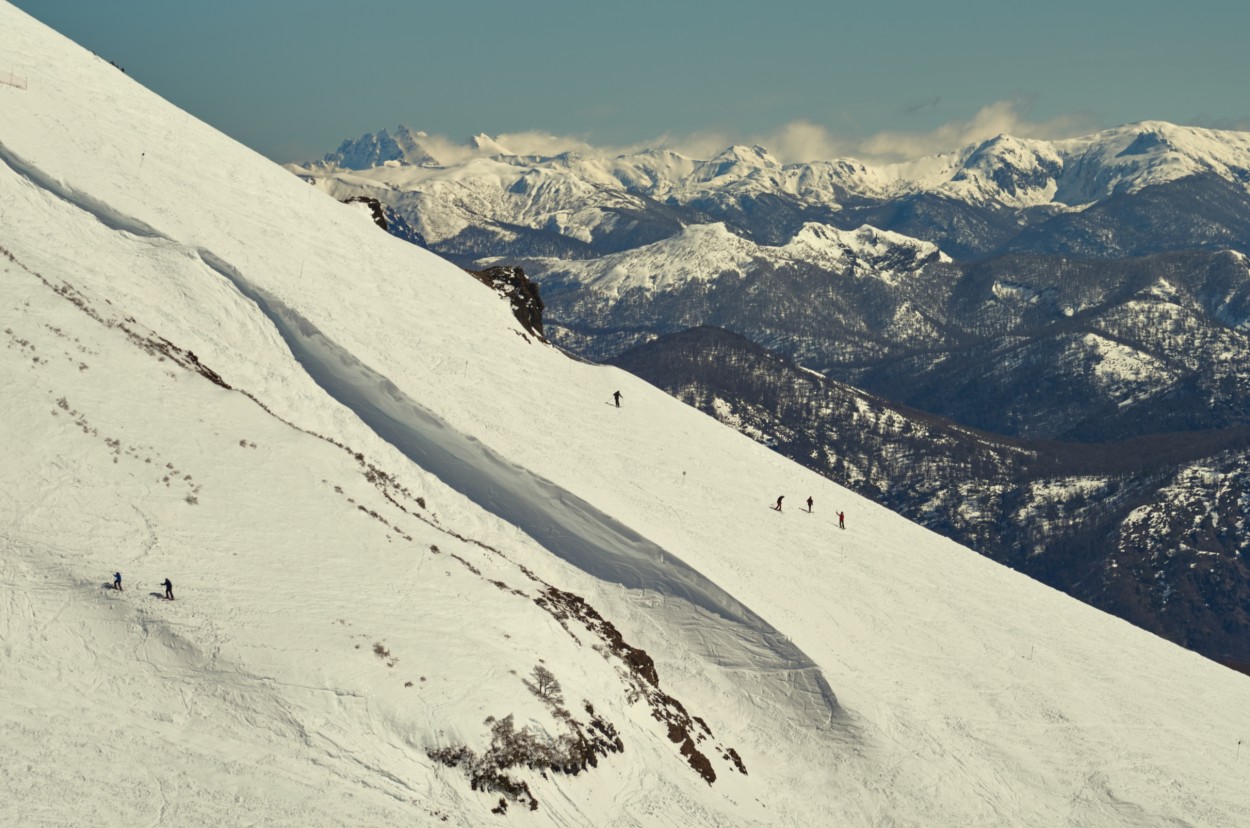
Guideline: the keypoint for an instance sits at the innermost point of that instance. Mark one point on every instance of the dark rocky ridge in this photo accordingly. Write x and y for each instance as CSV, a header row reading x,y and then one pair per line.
x,y
527,304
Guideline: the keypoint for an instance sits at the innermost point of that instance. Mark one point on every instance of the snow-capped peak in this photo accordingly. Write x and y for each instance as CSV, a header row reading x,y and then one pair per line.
x,y
1008,170
405,146
1128,158
704,252
864,252
734,162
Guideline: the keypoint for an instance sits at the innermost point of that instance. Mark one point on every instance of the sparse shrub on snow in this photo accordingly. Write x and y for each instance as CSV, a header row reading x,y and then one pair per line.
x,y
544,685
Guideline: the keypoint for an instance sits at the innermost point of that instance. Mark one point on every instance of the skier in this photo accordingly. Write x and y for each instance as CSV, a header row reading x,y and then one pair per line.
x,y
117,581
809,505
169,589
778,506
616,397
841,520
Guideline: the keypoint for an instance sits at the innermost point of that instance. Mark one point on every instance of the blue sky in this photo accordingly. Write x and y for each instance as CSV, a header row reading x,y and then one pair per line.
x,y
293,78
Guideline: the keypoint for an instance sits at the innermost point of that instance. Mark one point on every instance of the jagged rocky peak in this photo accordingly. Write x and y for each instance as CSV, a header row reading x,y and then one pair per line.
x,y
374,149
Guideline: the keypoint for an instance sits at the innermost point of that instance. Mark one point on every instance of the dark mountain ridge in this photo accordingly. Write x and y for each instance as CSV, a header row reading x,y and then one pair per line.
x,y
1022,344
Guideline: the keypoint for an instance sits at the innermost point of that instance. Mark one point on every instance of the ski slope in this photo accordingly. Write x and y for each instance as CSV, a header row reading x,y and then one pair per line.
x,y
374,494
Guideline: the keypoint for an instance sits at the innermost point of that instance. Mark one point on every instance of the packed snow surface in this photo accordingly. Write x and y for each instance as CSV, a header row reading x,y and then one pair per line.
x,y
383,507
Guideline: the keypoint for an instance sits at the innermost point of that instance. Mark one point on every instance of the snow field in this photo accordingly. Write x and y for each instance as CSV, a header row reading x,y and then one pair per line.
x,y
285,589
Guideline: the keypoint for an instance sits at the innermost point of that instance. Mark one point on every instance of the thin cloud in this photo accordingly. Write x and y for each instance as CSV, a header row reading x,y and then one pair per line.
x,y
801,141
794,142
999,118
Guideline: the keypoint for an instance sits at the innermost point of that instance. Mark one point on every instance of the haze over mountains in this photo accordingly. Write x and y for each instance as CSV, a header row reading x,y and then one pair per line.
x,y
1087,291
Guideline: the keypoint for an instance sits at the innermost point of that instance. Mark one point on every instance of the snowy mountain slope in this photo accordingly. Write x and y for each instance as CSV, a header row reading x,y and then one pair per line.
x,y
1149,530
962,689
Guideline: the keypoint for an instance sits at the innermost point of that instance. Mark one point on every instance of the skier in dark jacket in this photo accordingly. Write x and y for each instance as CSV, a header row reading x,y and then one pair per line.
x,y
169,589
616,397
117,581
809,504
779,499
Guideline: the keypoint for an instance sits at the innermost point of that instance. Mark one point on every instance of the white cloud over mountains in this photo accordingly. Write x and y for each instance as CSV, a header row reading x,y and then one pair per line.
x,y
999,118
797,141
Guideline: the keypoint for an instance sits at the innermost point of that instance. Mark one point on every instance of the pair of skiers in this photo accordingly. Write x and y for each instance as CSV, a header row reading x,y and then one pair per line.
x,y
783,497
169,587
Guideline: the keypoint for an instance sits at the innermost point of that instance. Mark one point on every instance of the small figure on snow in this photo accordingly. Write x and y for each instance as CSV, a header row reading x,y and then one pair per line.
x,y
169,589
778,506
616,397
809,504
117,581
841,520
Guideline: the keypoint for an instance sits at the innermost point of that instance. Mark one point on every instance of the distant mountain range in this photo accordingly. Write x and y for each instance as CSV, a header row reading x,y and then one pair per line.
x,y
1082,305
1133,190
